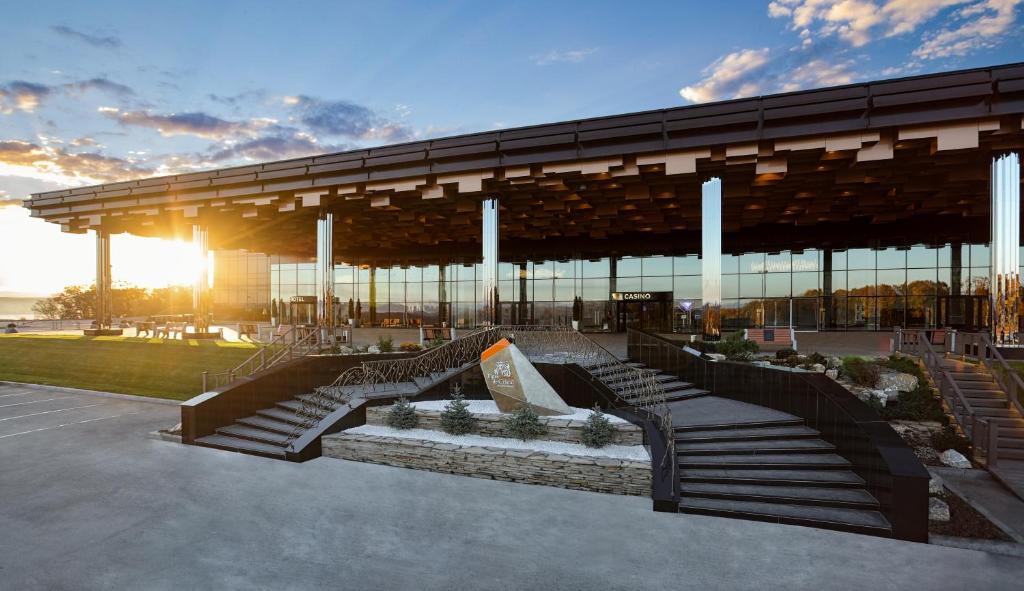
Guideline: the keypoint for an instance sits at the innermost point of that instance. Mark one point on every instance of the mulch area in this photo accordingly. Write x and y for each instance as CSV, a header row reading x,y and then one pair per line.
x,y
966,522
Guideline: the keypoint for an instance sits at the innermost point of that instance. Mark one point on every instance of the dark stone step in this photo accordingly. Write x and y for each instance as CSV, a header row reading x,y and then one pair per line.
x,y
852,520
746,425
267,424
1007,453
292,405
242,431
778,477
751,434
851,498
987,402
279,414
317,401
686,394
760,447
245,446
794,461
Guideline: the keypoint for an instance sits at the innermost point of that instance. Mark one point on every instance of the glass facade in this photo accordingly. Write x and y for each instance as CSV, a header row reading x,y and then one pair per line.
x,y
855,289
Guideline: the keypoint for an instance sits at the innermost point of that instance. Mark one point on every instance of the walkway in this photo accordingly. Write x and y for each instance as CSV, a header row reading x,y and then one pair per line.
x,y
102,506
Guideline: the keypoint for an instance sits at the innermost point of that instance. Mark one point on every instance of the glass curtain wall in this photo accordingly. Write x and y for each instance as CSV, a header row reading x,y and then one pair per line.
x,y
855,289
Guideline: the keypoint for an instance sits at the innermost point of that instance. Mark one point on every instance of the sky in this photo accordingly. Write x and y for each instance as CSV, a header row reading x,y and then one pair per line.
x,y
94,92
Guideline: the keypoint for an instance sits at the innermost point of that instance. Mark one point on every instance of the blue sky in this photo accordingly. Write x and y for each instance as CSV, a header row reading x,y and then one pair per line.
x,y
99,91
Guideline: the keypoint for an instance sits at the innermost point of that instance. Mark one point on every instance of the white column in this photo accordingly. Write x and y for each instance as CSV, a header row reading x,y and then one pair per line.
x,y
711,258
103,280
1004,270
201,285
489,241
325,273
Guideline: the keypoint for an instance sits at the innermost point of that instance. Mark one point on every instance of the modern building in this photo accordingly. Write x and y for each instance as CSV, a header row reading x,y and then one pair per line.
x,y
860,207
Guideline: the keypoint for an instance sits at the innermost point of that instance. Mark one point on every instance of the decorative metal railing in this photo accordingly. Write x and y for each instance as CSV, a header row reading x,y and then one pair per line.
x,y
633,386
290,344
983,433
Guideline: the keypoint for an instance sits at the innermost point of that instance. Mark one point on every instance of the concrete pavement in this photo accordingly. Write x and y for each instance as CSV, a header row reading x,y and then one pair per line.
x,y
101,505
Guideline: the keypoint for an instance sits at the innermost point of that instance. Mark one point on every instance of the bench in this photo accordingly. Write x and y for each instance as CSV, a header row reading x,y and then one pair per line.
x,y
248,329
145,327
171,330
783,338
430,334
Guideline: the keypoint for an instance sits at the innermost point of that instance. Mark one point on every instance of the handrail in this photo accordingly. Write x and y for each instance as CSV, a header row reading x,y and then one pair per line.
x,y
982,433
556,344
279,351
891,471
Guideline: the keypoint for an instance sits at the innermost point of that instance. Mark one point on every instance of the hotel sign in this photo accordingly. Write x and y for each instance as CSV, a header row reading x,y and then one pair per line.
x,y
641,296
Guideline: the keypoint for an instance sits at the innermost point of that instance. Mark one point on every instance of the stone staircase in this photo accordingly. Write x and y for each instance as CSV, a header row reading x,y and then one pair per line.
x,y
624,383
267,432
989,401
772,469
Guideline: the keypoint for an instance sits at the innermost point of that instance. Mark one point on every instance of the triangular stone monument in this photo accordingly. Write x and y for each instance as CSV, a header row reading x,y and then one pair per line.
x,y
514,382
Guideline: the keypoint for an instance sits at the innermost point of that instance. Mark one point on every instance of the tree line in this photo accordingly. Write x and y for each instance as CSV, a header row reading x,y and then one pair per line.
x,y
78,302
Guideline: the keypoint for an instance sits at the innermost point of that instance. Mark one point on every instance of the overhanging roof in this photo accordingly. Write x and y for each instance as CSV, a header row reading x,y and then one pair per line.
x,y
875,142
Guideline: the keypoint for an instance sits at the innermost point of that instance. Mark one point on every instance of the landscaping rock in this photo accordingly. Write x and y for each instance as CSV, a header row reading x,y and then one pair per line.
x,y
936,486
761,363
835,362
716,356
344,350
902,382
832,373
918,435
373,349
818,368
938,510
954,459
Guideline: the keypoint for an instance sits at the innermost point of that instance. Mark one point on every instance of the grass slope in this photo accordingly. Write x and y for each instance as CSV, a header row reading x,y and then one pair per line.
x,y
146,367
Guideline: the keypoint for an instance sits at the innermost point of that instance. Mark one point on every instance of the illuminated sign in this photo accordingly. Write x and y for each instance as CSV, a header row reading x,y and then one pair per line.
x,y
641,296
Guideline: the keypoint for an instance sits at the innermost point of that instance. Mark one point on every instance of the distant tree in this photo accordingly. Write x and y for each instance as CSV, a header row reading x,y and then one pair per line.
x,y
48,309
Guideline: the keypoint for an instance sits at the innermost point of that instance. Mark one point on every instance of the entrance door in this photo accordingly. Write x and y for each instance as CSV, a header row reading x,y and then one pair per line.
x,y
654,316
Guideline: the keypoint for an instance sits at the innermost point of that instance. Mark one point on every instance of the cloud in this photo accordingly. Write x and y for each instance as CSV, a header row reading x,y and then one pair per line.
x,y
275,147
196,123
101,85
345,119
732,75
19,95
22,96
981,27
7,199
102,41
60,165
859,21
555,56
752,72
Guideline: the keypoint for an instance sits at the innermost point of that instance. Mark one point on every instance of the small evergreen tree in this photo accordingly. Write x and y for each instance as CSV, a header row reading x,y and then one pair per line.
x,y
524,424
598,431
456,418
402,415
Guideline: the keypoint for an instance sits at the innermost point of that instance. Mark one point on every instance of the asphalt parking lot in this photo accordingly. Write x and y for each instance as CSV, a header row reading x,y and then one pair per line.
x,y
90,500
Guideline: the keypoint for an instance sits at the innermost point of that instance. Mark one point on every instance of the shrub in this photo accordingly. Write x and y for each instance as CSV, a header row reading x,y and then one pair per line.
x,y
435,343
385,344
861,372
817,358
598,430
735,348
410,346
784,354
792,361
456,418
524,424
919,404
402,415
905,365
948,438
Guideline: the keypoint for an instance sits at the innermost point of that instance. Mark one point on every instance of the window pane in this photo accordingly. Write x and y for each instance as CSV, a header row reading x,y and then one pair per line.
x,y
777,284
689,265
597,268
861,282
564,289
628,267
806,284
920,257
860,258
656,284
891,258
687,287
658,266
751,286
751,263
594,289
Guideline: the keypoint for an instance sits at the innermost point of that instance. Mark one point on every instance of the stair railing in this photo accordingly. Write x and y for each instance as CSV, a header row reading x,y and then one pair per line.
x,y
983,433
283,347
555,344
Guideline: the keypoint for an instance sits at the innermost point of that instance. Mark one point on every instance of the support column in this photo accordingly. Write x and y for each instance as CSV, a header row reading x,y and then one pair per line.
x,y
826,290
103,280
325,316
201,285
489,242
711,258
523,317
1004,270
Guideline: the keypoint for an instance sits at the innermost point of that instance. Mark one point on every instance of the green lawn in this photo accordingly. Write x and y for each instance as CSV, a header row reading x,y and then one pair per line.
x,y
146,367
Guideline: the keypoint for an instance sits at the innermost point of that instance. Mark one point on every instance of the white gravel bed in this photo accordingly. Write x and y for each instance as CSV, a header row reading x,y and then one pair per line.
x,y
618,452
488,407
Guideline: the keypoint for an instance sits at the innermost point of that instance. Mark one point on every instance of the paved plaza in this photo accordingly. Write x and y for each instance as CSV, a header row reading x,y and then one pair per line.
x,y
92,501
